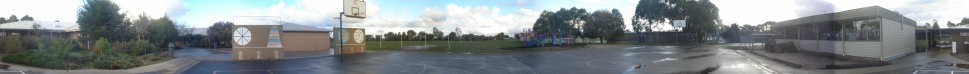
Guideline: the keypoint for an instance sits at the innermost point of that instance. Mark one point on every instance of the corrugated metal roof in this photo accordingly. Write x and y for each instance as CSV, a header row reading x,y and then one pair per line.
x,y
28,25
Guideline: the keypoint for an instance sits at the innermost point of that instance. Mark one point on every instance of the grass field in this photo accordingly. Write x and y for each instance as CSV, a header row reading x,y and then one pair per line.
x,y
486,46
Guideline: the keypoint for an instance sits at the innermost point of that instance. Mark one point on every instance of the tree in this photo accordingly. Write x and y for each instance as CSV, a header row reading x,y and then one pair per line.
x,y
411,35
422,35
27,18
100,19
163,32
142,25
766,26
451,36
965,21
369,37
438,34
458,30
951,24
13,18
3,20
389,35
747,28
605,25
564,21
731,33
936,24
701,16
501,36
220,32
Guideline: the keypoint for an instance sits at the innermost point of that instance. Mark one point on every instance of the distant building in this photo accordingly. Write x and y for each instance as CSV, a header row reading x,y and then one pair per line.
x,y
305,38
871,32
57,29
297,37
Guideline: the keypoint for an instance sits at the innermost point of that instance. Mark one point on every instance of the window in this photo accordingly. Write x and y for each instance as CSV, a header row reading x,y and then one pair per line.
x,y
964,34
791,33
862,30
808,32
830,30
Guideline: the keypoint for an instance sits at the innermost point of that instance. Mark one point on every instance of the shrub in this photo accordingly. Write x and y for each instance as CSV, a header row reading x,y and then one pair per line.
x,y
151,57
114,61
139,47
11,44
921,47
101,46
38,59
59,46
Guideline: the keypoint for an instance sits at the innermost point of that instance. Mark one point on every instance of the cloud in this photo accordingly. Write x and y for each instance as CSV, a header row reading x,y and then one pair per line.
x,y
66,10
471,19
41,10
154,8
523,3
923,11
812,7
600,0
317,13
434,15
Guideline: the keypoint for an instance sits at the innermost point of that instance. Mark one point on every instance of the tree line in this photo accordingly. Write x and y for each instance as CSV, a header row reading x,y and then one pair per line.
x,y
607,25
101,19
435,34
701,16
13,18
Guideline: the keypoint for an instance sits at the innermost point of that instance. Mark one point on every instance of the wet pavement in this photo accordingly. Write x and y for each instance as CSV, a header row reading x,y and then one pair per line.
x,y
594,59
222,54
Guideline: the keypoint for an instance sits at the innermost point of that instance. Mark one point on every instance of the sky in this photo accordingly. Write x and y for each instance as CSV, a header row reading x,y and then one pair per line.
x,y
487,17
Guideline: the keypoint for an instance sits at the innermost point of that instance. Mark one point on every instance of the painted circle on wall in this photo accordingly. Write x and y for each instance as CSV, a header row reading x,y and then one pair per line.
x,y
358,36
241,36
343,35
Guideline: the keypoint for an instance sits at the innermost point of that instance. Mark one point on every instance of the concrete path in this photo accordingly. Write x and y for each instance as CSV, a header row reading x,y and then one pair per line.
x,y
904,65
189,56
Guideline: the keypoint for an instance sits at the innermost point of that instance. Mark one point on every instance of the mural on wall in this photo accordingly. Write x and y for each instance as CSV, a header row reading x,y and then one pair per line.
x,y
274,41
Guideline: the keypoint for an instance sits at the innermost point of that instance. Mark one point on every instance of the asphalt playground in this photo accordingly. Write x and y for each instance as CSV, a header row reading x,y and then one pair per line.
x,y
593,59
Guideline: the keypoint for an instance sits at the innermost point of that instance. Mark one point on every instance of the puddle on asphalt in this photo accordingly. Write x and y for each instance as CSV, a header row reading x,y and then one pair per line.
x,y
632,48
664,52
418,47
699,56
684,58
665,59
706,70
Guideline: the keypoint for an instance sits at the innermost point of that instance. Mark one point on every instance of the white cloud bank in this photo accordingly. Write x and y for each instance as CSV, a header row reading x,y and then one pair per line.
x,y
66,10
478,19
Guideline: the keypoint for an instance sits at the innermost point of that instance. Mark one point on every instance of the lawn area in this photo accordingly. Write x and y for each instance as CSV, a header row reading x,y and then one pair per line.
x,y
487,46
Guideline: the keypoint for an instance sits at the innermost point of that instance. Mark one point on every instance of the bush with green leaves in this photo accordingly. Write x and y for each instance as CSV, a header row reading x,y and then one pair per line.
x,y
151,57
921,47
139,47
11,44
59,46
101,46
114,61
37,58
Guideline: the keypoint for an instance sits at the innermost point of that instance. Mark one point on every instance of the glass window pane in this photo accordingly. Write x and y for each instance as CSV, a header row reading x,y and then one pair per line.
x,y
874,33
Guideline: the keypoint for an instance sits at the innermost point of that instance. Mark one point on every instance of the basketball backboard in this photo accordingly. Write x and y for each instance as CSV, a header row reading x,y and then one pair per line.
x,y
355,8
679,23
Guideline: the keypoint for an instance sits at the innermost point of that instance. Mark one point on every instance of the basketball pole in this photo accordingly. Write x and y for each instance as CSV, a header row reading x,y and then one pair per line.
x,y
341,35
